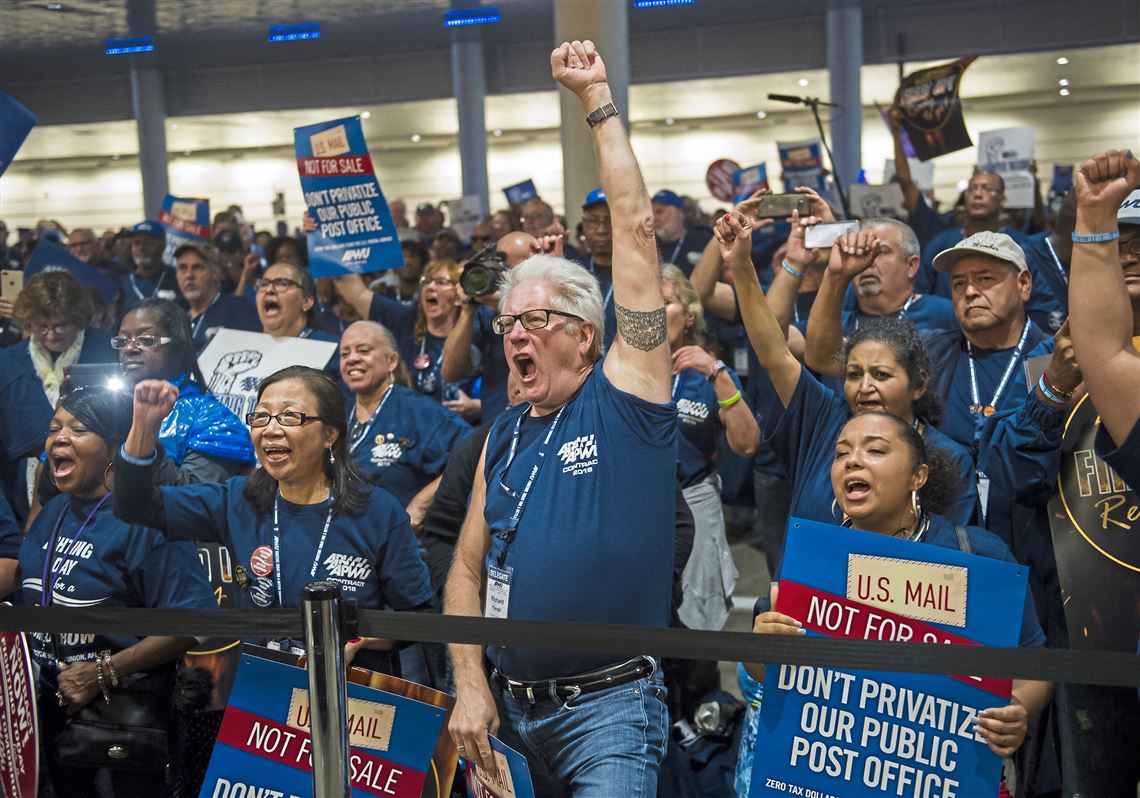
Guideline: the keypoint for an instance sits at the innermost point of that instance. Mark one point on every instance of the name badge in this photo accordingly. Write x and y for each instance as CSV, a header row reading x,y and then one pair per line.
x,y
498,591
740,361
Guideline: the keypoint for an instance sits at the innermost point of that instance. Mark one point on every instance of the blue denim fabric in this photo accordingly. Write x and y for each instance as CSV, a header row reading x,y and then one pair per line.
x,y
601,744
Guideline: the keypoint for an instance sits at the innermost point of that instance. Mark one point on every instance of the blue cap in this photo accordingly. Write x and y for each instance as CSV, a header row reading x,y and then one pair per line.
x,y
667,197
595,197
150,228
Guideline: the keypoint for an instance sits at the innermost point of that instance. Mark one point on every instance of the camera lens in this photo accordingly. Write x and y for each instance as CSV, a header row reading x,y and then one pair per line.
x,y
477,280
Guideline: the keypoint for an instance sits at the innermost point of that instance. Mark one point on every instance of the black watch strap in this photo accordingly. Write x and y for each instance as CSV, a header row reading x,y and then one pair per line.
x,y
601,113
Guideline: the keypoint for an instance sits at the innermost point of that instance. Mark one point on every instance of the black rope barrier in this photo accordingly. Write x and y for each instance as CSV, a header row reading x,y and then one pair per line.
x,y
1056,665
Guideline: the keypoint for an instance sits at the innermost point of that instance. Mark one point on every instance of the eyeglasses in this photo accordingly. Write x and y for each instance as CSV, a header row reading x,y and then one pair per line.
x,y
442,282
531,320
1130,246
58,329
289,418
277,284
603,221
141,341
77,244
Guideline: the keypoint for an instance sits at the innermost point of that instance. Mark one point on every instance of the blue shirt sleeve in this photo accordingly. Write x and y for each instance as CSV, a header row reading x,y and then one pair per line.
x,y
806,424
450,429
654,423
169,574
24,410
198,511
10,535
392,314
403,575
987,544
1125,459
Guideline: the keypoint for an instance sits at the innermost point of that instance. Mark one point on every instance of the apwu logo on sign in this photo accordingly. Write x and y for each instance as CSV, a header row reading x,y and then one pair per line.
x,y
579,456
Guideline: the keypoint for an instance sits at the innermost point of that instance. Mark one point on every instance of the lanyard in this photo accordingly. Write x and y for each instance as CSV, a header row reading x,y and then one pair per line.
x,y
202,315
305,333
509,536
976,406
357,435
1057,260
677,250
610,290
678,382
277,547
46,588
157,286
901,314
425,371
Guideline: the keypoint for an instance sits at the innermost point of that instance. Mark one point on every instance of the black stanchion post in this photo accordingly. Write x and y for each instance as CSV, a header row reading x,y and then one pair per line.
x,y
328,718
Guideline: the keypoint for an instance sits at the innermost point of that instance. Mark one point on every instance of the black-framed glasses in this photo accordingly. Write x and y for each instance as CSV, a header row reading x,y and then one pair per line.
x,y
141,341
534,319
288,418
439,282
277,284
63,328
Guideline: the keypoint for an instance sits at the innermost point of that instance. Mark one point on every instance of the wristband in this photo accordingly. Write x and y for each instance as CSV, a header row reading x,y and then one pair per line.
x,y
1095,238
102,684
791,269
1045,389
600,114
105,656
717,368
1054,388
730,401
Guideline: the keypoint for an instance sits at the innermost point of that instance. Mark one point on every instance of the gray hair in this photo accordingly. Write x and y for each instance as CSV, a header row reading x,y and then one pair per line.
x,y
572,290
908,241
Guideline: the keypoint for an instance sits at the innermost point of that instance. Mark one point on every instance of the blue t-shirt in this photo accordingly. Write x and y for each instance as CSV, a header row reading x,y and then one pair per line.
x,y
929,281
11,536
927,222
24,418
686,251
600,513
606,284
803,436
698,417
495,366
925,312
1048,303
406,444
372,556
1124,459
112,564
400,319
135,288
228,311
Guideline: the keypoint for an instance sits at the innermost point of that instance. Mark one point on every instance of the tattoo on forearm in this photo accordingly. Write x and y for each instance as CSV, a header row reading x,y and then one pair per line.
x,y
641,329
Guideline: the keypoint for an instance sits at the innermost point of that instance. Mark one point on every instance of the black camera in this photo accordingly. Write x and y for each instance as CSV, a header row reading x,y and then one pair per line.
x,y
482,273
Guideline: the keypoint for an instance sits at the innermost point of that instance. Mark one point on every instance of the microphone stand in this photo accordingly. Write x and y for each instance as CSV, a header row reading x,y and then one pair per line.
x,y
813,103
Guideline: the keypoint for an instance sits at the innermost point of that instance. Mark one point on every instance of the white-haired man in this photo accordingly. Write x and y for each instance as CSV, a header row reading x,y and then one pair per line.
x,y
576,488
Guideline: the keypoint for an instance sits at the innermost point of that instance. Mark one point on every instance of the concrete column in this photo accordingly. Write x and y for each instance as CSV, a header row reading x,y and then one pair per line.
x,y
606,23
844,61
468,80
149,109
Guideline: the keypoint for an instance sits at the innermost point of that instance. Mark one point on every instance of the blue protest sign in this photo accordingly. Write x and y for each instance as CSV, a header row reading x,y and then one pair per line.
x,y
186,219
802,164
520,192
354,232
514,774
1062,178
263,744
16,122
745,182
828,732
48,256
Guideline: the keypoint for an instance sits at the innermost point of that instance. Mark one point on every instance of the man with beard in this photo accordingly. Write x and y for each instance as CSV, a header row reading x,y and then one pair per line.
x,y
211,309
151,277
677,244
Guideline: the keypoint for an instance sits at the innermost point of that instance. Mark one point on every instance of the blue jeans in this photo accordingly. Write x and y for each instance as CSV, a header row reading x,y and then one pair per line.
x,y
601,744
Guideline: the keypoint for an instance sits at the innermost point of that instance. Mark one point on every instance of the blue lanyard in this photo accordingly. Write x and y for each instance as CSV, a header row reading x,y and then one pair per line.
x,y
277,547
678,383
1056,260
358,436
157,286
509,536
976,407
901,314
202,316
46,588
609,291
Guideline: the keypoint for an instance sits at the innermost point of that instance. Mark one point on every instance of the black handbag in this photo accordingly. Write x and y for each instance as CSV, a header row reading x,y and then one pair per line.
x,y
130,732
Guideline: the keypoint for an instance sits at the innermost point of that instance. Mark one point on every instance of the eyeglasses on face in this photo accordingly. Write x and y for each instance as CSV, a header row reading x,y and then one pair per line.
x,y
141,341
62,328
441,282
534,319
277,284
289,418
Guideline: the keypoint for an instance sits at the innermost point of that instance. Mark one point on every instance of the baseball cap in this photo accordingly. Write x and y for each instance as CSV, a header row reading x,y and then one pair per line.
x,y
203,248
150,228
425,207
996,245
595,197
667,197
1129,212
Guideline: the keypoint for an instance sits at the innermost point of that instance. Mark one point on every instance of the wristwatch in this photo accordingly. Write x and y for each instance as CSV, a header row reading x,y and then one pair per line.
x,y
601,113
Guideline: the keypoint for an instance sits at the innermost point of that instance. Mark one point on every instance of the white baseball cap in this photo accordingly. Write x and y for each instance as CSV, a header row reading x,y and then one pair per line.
x,y
1129,212
996,245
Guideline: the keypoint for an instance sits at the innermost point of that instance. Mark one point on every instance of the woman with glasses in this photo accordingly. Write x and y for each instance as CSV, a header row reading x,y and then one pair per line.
x,y
55,311
304,515
203,441
420,330
286,303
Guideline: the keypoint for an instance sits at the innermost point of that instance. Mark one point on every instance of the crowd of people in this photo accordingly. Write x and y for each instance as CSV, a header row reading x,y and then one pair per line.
x,y
555,447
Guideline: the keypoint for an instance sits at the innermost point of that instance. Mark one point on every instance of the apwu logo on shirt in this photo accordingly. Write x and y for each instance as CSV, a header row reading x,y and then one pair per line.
x,y
692,412
347,568
579,456
386,453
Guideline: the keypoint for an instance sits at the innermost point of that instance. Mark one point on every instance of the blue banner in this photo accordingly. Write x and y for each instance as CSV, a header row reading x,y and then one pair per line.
x,y
802,165
263,744
513,780
48,256
520,193
355,233
186,219
827,732
16,122
745,182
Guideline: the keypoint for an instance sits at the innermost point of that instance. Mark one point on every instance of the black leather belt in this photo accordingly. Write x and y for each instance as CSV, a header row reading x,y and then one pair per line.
x,y
567,688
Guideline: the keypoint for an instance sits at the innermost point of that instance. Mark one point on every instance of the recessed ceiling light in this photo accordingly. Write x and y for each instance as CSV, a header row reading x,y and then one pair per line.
x,y
761,114
54,6
669,120
365,114
804,81
496,132
1062,60
1064,92
416,137
1063,82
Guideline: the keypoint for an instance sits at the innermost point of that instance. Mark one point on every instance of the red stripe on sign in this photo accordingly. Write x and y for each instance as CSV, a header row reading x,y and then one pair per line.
x,y
277,742
339,166
184,225
838,616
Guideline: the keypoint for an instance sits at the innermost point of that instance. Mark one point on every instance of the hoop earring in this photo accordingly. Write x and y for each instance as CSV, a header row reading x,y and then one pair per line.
x,y
838,516
914,505
332,457
110,465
